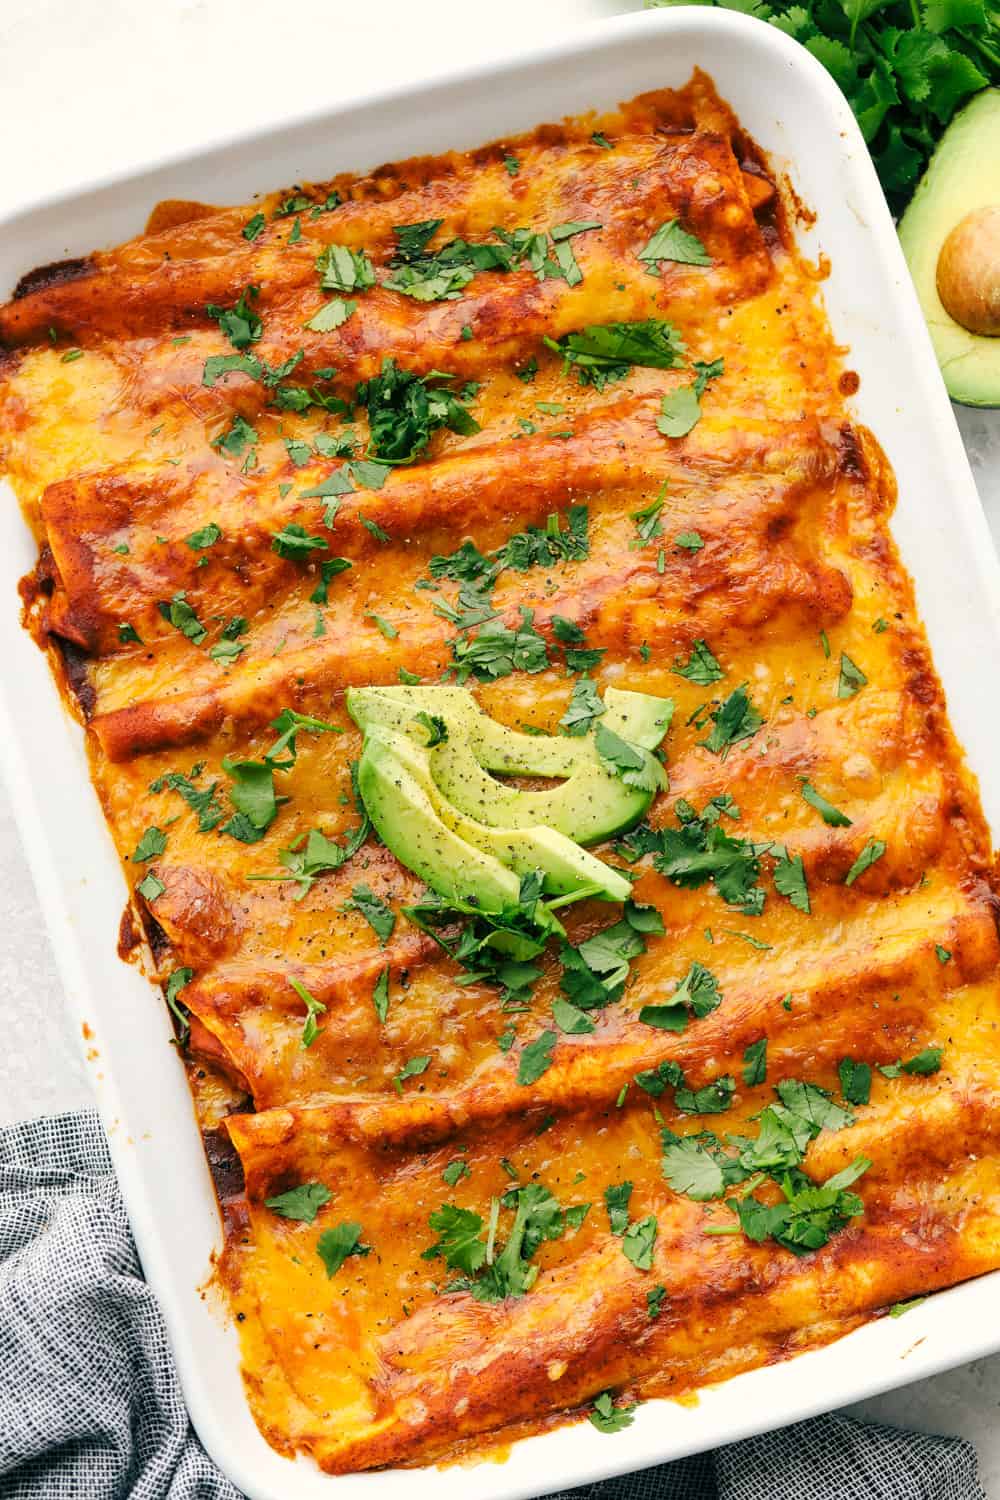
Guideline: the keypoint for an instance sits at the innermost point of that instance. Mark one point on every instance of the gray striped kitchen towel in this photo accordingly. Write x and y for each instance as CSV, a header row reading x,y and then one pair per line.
x,y
91,1408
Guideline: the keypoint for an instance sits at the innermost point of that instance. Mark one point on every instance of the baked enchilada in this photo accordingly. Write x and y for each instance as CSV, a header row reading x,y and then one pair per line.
x,y
536,793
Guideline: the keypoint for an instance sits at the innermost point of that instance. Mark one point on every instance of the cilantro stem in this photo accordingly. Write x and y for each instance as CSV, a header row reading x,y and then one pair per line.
x,y
980,46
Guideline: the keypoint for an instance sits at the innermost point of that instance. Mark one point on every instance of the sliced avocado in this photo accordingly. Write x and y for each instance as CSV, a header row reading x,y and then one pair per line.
x,y
456,856
950,235
394,783
566,867
590,802
638,717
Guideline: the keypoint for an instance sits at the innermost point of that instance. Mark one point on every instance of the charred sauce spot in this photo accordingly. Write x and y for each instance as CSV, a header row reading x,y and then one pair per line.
x,y
225,1167
850,457
130,935
56,273
159,943
76,665
849,383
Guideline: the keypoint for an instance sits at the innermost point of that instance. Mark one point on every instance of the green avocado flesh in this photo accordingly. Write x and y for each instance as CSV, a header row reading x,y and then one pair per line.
x,y
964,175
471,837
588,803
396,790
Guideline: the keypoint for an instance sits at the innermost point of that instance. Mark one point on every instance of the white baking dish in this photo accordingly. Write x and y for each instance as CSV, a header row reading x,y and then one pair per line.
x,y
788,103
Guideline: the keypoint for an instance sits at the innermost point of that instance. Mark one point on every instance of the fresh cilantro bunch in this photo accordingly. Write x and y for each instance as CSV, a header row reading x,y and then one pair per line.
x,y
905,66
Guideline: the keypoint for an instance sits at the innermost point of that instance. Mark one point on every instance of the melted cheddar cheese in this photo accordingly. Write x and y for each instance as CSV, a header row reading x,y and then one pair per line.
x,y
125,459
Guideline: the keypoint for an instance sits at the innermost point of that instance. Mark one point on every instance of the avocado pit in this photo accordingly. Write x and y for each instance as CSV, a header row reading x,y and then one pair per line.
x,y
968,271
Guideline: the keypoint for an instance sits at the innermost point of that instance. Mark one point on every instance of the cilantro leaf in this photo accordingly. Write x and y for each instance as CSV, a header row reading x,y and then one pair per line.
x,y
873,850
536,1058
851,678
855,1080
697,994
671,242
295,543
831,815
616,1201
607,1417
636,768
701,666
584,707
755,1063
638,1242
734,720
459,1242
336,1245
380,995
692,1169
177,981
790,879
150,846
314,1008
303,1202
344,270
380,917
602,352
331,315
179,613
205,536
412,1068
713,1099
404,410
240,324
690,541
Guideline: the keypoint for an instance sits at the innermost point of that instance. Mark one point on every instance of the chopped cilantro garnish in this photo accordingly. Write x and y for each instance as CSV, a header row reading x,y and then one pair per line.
x,y
701,666
690,541
602,352
240,324
380,917
607,1417
331,315
404,411
336,1245
584,708
150,887
314,1008
831,815
177,981
734,720
873,850
616,1201
412,1068
696,995
680,410
152,844
295,543
855,1080
380,995
851,678
205,536
302,1203
671,242
344,270
638,1242
179,613
536,1058
755,1063
925,1062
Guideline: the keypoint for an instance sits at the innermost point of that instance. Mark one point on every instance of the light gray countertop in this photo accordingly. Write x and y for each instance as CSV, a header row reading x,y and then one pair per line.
x,y
93,86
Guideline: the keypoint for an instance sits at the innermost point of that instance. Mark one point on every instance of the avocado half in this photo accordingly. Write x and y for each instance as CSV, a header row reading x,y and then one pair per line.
x,y
950,235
